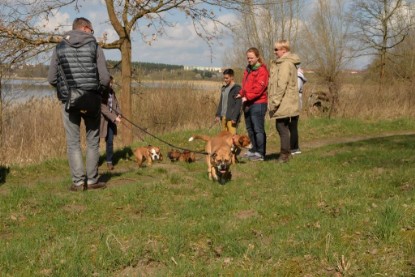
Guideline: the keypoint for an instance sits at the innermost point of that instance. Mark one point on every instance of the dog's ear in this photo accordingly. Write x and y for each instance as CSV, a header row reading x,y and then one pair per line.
x,y
244,141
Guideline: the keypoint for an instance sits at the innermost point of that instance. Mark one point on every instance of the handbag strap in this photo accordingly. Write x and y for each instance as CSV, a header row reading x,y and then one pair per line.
x,y
99,86
65,81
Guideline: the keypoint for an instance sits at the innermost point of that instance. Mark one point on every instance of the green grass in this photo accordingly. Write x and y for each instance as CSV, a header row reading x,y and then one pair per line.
x,y
345,207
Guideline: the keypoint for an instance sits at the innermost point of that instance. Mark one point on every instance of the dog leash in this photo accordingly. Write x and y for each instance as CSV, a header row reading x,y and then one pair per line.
x,y
135,133
213,124
159,139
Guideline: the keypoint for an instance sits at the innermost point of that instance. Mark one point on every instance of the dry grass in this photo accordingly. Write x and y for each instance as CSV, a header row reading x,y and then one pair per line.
x,y
175,108
364,100
395,100
33,131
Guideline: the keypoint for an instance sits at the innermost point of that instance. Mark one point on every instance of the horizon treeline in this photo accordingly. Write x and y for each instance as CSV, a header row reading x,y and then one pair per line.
x,y
41,70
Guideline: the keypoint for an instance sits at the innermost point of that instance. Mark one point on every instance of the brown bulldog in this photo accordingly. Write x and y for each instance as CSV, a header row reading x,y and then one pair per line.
x,y
147,153
221,153
185,156
238,142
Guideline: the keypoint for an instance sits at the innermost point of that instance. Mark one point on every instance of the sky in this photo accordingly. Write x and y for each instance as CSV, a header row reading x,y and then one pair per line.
x,y
178,45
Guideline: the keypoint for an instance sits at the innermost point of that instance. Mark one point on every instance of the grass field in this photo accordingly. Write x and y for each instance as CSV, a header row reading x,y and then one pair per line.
x,y
344,207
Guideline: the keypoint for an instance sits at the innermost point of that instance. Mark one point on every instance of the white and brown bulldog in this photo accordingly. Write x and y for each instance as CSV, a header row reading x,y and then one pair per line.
x,y
147,153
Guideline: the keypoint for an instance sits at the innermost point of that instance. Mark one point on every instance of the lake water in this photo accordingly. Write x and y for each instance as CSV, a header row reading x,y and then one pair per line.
x,y
20,90
24,89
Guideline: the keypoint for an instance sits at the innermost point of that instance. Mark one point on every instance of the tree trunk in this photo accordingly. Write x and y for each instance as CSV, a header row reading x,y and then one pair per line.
x,y
126,131
382,65
1,113
334,94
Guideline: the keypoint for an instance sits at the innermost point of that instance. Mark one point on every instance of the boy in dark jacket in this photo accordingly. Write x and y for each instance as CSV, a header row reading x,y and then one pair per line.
x,y
229,108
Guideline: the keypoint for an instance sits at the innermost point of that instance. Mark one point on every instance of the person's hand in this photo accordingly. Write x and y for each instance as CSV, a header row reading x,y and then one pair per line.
x,y
118,119
238,96
217,119
233,122
244,99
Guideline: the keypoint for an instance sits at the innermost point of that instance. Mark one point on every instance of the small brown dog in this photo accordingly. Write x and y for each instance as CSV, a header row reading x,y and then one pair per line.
x,y
238,142
147,153
221,153
185,156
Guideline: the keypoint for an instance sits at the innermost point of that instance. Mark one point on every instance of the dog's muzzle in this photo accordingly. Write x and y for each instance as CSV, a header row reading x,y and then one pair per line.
x,y
222,167
154,155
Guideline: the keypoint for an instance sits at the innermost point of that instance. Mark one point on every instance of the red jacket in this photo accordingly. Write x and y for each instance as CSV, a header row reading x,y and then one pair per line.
x,y
255,85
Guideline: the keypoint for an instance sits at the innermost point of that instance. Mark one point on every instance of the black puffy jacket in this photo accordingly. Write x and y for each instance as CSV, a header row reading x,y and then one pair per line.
x,y
79,63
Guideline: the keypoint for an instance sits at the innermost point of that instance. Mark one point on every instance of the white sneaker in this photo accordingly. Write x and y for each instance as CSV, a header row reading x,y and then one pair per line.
x,y
295,151
256,157
248,154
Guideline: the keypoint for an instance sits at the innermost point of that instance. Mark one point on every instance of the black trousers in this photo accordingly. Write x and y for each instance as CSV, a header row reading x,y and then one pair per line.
x,y
288,131
293,126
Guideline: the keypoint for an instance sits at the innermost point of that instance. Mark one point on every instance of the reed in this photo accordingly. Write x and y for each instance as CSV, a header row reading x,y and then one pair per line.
x,y
366,100
33,132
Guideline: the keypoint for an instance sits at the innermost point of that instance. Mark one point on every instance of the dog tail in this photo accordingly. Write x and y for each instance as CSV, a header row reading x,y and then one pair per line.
x,y
202,137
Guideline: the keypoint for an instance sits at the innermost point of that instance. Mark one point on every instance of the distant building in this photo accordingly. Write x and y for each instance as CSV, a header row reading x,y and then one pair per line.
x,y
203,68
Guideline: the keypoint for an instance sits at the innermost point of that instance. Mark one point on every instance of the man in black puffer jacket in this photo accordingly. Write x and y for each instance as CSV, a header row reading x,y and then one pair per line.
x,y
83,63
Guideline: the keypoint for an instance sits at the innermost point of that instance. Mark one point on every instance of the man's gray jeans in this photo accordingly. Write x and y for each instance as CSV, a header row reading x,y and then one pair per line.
x,y
72,124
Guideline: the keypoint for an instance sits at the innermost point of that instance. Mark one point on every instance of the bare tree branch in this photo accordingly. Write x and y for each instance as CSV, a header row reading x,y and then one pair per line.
x,y
19,21
381,26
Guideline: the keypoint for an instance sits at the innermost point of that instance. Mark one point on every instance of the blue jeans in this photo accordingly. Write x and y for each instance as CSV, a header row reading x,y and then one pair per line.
x,y
110,141
72,124
255,121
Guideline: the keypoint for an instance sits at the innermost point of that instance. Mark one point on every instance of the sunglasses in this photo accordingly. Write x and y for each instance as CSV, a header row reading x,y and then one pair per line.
x,y
92,30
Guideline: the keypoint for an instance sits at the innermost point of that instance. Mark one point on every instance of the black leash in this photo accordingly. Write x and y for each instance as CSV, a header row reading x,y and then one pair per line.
x,y
213,124
135,133
162,140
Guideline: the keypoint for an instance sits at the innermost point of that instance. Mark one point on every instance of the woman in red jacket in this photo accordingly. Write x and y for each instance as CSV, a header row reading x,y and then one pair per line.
x,y
255,101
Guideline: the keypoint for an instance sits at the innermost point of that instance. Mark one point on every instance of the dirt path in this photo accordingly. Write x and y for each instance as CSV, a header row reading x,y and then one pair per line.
x,y
324,142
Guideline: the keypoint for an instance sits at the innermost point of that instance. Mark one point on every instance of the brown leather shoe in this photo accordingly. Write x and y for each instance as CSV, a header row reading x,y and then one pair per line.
x,y
110,166
97,185
74,187
284,158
